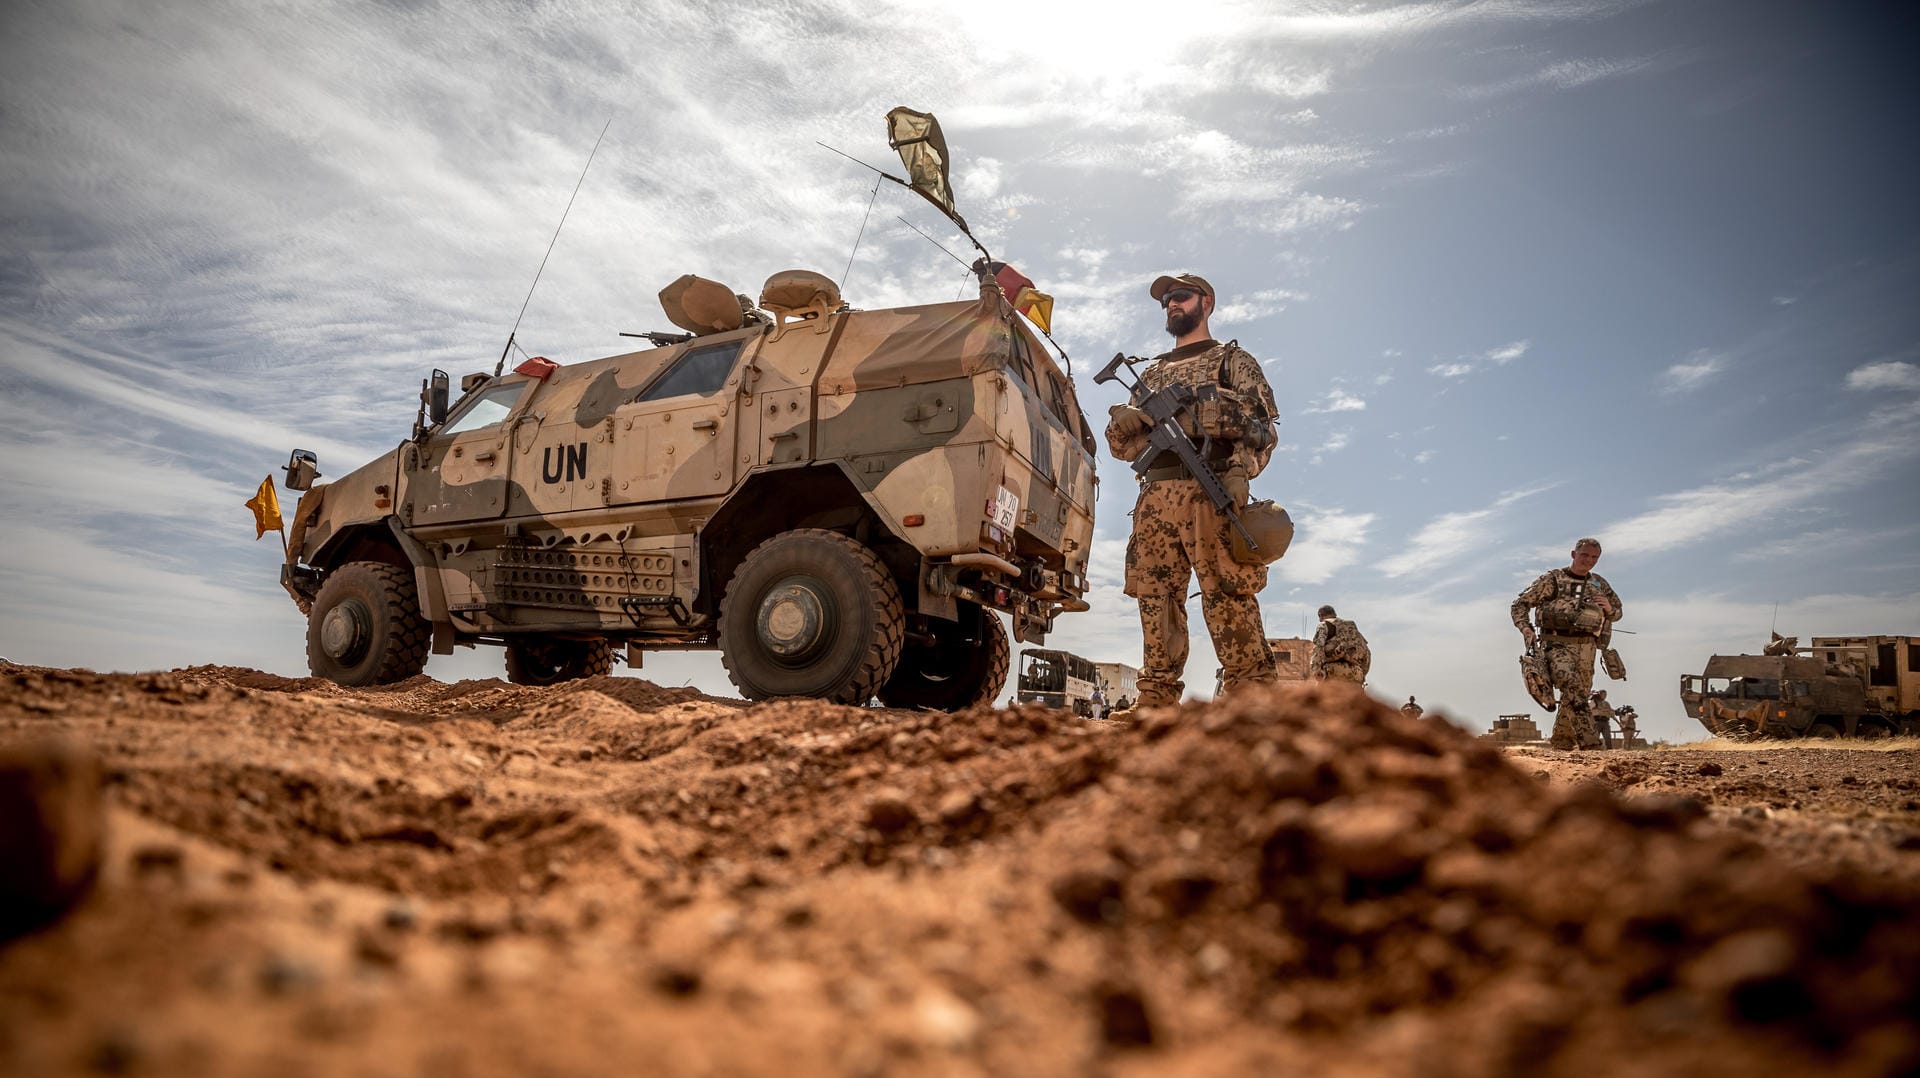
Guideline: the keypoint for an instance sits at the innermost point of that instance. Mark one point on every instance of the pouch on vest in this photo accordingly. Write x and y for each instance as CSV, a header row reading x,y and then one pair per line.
x,y
1221,418
1615,666
1272,531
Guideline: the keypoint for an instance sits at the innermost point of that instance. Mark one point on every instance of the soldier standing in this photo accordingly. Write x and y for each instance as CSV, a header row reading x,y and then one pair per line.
x,y
1629,725
1572,606
1340,652
1176,530
1602,717
1412,709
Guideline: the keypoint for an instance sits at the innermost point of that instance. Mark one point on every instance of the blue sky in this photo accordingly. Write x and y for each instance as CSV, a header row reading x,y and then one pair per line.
x,y
1520,272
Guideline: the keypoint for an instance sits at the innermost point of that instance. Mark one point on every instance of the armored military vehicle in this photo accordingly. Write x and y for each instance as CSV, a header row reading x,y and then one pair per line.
x,y
844,503
1838,686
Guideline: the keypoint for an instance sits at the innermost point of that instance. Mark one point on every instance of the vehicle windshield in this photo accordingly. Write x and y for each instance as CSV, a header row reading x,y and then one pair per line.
x,y
490,407
1043,675
1744,688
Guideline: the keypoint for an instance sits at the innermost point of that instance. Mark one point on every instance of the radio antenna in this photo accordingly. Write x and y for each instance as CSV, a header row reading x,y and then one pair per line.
x,y
859,235
498,367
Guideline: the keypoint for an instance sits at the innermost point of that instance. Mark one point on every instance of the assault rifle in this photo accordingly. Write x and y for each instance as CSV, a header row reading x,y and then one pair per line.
x,y
1163,408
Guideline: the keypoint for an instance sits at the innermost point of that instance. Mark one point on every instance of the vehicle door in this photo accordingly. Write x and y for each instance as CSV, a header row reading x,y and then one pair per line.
x,y
459,472
678,439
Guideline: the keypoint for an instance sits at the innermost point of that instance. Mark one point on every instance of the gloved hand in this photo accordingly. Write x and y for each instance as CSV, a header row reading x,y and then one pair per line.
x,y
1532,641
1125,420
1237,489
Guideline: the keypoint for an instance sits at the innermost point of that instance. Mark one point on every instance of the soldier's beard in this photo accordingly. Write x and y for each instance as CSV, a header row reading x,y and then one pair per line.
x,y
1181,323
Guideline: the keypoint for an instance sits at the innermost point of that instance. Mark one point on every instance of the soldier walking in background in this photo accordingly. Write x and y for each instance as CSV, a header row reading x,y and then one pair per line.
x,y
1572,605
1177,532
1340,652
1602,717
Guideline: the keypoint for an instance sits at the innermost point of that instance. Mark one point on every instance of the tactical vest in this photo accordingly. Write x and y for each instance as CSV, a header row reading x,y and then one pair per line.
x,y
1569,611
1226,415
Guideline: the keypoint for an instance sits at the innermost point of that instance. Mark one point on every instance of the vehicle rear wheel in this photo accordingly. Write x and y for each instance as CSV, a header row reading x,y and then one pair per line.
x,y
813,613
1871,729
365,627
549,660
1823,731
951,674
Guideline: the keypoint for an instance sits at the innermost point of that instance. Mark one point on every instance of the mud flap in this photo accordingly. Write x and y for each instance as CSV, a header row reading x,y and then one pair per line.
x,y
1533,671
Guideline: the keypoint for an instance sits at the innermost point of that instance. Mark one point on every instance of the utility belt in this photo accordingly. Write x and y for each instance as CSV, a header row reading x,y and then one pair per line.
x,y
1569,636
1176,470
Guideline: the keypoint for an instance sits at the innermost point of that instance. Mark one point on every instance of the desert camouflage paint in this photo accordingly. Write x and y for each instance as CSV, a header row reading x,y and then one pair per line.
x,y
613,497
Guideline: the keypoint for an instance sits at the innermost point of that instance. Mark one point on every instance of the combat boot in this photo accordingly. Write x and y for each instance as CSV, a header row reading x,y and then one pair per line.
x,y
1139,707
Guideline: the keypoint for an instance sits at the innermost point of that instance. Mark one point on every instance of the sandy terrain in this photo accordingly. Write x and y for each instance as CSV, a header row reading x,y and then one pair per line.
x,y
611,877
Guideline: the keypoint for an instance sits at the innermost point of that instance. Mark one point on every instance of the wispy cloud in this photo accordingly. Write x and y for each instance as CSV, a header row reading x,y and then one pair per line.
x,y
1247,307
1698,369
1886,438
1829,542
1452,535
1334,443
1559,75
1496,357
1329,540
1337,400
1889,375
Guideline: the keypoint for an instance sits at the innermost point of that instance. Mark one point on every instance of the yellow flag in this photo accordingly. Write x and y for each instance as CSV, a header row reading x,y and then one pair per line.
x,y
266,509
1036,305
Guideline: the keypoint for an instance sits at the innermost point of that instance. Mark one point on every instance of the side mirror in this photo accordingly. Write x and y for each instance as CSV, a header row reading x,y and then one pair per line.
x,y
302,469
437,397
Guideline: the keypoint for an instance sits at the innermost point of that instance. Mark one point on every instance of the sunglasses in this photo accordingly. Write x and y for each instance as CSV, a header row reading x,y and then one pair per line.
x,y
1178,295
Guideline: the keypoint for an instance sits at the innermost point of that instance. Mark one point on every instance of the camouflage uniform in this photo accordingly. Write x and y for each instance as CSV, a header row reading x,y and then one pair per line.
x,y
1346,668
1603,715
1570,625
1177,532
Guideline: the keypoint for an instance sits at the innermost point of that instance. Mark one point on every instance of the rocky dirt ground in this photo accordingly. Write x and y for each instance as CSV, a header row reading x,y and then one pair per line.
x,y
612,877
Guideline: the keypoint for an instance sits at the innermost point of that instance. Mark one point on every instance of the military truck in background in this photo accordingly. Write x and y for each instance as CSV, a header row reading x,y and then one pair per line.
x,y
1837,686
1057,679
844,503
1121,682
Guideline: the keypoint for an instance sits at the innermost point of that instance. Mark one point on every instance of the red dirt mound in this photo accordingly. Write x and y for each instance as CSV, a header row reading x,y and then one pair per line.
x,y
491,879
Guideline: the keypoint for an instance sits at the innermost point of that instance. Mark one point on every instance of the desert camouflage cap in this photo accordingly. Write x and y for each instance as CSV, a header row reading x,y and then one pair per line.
x,y
1163,285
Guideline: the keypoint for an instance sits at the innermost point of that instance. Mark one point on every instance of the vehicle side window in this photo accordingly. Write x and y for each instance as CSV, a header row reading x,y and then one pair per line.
x,y
1057,402
1022,360
698,373
490,407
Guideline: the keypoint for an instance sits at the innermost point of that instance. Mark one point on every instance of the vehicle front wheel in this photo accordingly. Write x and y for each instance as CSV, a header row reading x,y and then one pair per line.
x,y
949,674
551,660
1823,731
365,627
813,613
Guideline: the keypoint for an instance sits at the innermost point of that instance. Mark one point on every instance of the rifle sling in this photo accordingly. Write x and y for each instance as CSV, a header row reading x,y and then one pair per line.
x,y
1175,469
